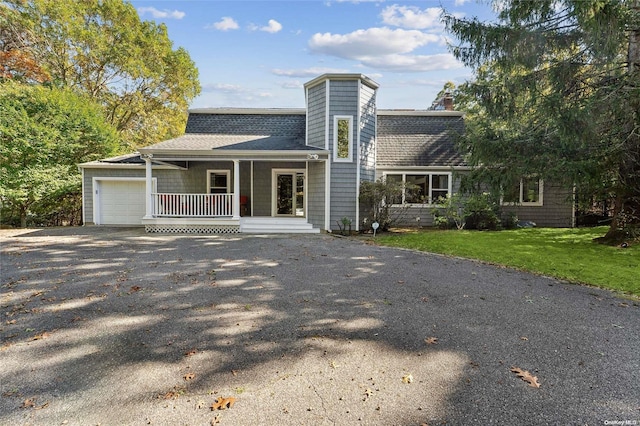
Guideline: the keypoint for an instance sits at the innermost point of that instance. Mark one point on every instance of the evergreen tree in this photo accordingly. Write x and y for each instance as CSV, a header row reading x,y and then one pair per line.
x,y
556,95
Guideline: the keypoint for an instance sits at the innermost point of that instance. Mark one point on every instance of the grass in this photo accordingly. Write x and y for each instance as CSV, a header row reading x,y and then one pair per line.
x,y
568,254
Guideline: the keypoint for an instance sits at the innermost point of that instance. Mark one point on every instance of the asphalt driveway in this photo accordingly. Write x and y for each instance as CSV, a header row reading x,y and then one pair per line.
x,y
113,326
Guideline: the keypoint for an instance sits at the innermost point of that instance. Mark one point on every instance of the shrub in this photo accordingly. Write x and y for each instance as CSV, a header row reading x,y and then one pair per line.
x,y
481,212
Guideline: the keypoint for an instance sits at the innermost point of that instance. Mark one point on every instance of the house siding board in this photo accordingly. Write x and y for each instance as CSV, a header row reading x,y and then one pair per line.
x,y
556,211
262,185
343,192
316,194
408,215
290,125
89,191
367,133
409,141
316,109
343,100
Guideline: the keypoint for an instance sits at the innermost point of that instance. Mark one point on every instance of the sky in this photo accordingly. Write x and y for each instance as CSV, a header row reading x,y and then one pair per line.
x,y
259,54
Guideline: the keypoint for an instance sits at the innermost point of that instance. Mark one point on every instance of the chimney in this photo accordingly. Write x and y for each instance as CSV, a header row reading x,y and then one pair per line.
x,y
447,102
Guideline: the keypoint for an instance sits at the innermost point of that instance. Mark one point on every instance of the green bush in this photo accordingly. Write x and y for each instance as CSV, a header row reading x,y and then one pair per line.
x,y
481,212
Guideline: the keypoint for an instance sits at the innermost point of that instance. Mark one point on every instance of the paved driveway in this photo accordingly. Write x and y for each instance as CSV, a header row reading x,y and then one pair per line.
x,y
113,326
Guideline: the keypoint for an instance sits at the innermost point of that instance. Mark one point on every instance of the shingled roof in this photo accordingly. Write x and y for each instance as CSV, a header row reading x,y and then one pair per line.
x,y
418,138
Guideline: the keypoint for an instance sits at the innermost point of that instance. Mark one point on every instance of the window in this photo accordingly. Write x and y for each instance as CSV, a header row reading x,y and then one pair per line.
x,y
342,138
527,192
218,181
423,188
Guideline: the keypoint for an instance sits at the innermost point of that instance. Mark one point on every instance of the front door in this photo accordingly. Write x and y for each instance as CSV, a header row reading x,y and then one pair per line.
x,y
288,189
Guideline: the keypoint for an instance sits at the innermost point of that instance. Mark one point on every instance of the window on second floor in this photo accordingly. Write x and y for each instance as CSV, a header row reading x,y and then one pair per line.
x,y
526,192
343,138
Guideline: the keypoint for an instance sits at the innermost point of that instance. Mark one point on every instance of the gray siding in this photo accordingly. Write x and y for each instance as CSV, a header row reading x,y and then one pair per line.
x,y
317,107
89,174
262,185
316,196
556,210
408,216
367,133
343,100
191,181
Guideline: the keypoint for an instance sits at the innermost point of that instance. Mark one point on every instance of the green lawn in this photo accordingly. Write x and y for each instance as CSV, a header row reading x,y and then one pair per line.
x,y
569,254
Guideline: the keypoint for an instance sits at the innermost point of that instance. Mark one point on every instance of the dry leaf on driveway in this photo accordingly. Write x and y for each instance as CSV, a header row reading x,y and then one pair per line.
x,y
431,340
526,376
222,403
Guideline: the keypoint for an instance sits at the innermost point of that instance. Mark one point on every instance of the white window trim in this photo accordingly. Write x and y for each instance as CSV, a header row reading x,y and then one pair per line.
x,y
349,158
538,203
429,174
218,172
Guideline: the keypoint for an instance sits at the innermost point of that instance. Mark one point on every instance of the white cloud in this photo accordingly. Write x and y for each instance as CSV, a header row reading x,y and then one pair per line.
x,y
412,17
273,27
369,43
225,24
161,14
307,72
412,63
460,2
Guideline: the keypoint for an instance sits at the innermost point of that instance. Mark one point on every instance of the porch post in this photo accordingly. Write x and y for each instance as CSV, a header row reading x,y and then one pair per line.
x,y
148,187
236,189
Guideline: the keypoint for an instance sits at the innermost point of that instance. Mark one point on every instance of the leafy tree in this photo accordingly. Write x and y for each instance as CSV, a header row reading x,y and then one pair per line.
x,y
44,133
382,201
102,48
556,95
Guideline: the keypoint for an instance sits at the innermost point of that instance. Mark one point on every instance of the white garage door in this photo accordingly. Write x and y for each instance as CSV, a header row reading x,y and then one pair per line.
x,y
121,202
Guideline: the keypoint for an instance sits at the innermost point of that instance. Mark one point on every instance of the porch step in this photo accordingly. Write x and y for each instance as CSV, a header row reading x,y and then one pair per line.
x,y
274,225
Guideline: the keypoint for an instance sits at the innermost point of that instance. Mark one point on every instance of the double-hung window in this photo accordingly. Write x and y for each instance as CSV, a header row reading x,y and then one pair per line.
x,y
528,192
218,181
422,188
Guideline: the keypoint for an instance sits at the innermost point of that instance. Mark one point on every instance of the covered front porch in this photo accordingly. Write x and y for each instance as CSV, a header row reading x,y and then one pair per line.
x,y
245,194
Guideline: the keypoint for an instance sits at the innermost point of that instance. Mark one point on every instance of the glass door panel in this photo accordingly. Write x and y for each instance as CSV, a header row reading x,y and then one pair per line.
x,y
289,193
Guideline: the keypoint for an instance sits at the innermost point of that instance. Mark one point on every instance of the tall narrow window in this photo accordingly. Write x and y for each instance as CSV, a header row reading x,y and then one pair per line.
x,y
342,138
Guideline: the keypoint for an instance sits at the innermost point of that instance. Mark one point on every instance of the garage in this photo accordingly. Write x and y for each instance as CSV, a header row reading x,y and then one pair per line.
x,y
120,202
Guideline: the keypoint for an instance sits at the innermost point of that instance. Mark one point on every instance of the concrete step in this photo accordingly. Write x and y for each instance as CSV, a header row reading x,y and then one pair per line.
x,y
269,225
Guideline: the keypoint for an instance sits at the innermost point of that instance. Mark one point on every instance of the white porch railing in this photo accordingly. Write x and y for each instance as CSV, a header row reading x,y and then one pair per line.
x,y
192,205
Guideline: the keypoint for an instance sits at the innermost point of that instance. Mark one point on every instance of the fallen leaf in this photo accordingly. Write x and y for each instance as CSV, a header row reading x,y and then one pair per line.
x,y
173,394
135,288
431,340
45,405
234,372
191,352
526,376
41,336
524,338
367,393
189,376
407,378
28,403
223,403
216,420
